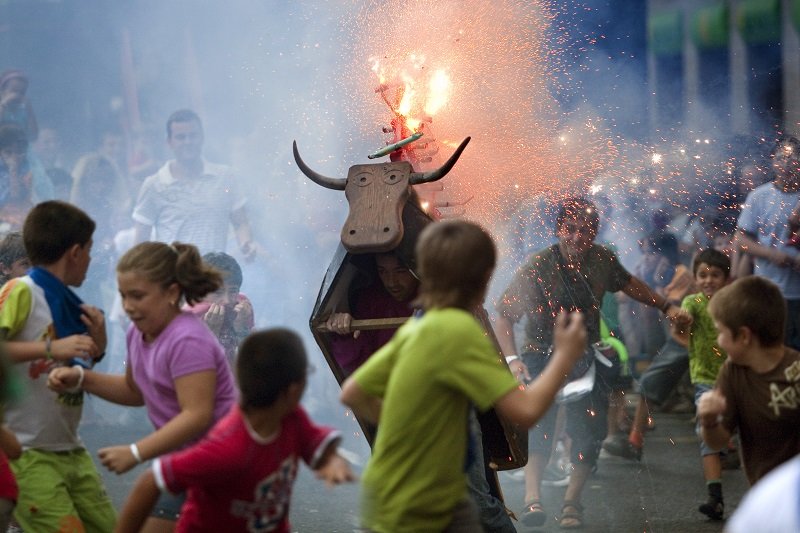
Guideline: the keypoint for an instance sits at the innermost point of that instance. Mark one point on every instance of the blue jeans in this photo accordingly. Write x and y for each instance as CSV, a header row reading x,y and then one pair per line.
x,y
662,376
492,511
586,419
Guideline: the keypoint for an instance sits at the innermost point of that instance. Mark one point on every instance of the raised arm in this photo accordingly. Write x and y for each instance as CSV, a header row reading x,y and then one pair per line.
x,y
641,292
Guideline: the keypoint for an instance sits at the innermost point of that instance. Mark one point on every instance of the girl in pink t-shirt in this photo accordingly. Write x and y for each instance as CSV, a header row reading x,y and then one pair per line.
x,y
176,367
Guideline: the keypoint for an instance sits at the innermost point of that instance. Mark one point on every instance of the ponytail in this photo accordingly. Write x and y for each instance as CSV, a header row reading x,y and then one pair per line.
x,y
165,264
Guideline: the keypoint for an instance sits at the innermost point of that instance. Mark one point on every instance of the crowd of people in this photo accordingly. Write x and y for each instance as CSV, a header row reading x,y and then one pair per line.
x,y
722,305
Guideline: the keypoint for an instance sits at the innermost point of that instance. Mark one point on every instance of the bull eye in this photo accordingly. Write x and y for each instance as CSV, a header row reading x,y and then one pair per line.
x,y
352,232
363,179
391,177
386,229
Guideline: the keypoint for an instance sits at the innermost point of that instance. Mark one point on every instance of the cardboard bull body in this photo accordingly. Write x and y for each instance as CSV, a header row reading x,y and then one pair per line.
x,y
384,216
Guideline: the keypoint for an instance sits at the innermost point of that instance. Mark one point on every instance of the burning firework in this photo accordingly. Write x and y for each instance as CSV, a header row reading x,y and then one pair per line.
x,y
453,68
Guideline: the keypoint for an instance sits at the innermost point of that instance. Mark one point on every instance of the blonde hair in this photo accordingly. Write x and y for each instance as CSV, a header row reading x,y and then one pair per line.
x,y
165,264
455,260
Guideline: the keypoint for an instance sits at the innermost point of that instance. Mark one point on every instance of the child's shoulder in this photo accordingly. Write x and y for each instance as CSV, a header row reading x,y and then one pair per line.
x,y
449,319
695,303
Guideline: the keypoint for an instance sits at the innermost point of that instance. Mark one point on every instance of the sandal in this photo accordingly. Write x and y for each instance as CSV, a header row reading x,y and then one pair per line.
x,y
533,515
571,515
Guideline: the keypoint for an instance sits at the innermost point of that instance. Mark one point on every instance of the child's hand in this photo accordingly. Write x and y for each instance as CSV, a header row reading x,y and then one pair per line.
x,y
74,346
335,471
63,378
710,408
244,317
569,336
95,320
683,319
118,459
214,318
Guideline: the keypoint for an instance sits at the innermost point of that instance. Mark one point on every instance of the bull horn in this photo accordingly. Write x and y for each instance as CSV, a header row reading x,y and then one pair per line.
x,y
337,184
427,177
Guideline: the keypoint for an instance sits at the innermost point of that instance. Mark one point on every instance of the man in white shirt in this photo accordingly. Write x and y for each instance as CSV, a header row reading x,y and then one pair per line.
x,y
189,199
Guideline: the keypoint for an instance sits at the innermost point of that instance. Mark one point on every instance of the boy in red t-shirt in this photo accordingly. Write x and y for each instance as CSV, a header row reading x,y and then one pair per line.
x,y
240,476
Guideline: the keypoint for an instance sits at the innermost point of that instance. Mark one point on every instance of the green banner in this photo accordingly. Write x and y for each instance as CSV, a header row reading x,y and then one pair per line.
x,y
795,10
759,21
665,33
711,27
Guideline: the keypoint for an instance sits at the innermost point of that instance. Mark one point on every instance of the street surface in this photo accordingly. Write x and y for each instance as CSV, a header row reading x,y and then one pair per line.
x,y
658,495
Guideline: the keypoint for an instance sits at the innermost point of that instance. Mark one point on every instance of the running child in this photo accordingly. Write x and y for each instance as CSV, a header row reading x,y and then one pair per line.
x,y
240,476
46,326
420,386
693,327
175,366
756,390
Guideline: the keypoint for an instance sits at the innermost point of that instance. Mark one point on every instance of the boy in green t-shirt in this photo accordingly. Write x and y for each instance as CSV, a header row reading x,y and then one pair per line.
x,y
421,384
693,327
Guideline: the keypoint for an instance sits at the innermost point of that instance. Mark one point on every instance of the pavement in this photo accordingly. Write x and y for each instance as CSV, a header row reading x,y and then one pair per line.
x,y
660,494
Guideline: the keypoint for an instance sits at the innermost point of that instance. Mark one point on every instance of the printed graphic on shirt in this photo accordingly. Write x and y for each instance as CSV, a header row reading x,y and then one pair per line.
x,y
270,499
786,398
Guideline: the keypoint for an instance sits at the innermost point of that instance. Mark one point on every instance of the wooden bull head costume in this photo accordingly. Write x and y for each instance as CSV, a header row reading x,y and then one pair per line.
x,y
377,194
385,216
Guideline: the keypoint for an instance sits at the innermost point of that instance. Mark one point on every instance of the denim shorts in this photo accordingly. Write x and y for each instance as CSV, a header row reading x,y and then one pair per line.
x,y
699,389
168,506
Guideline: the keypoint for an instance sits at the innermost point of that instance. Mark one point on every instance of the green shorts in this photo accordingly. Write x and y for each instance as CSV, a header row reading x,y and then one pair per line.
x,y
61,491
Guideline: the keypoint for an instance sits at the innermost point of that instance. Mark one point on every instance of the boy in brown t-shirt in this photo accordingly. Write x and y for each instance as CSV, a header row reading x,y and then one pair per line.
x,y
758,387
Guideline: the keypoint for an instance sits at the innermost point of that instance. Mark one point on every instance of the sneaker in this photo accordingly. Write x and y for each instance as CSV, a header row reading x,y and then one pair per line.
x,y
554,476
620,446
713,508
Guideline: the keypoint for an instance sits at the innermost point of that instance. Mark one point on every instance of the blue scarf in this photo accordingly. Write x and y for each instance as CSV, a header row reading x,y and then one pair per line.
x,y
65,305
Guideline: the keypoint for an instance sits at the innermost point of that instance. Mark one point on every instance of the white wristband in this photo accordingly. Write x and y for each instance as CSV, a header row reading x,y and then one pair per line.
x,y
81,377
511,358
135,452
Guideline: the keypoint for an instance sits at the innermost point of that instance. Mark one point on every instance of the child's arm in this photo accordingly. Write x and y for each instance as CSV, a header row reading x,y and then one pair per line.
x,y
504,333
525,406
59,349
365,406
115,388
9,444
710,409
333,468
196,397
139,504
681,327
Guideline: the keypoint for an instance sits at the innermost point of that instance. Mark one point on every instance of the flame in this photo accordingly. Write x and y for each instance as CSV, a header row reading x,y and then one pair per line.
x,y
419,96
438,92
